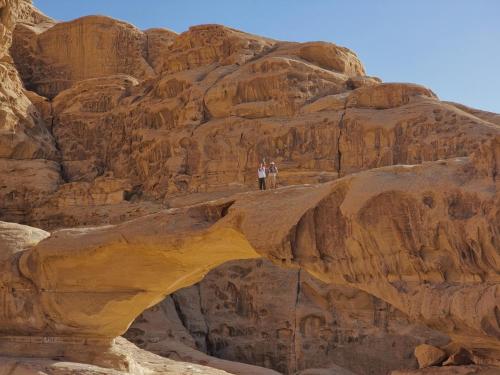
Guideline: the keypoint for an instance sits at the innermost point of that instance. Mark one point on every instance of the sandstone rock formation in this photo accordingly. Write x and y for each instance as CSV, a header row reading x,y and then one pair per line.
x,y
254,312
214,102
74,263
52,58
101,123
453,370
27,149
428,355
459,358
131,360
22,133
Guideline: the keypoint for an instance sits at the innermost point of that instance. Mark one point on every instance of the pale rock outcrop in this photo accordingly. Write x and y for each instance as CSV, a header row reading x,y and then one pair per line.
x,y
15,238
180,352
332,57
279,83
122,358
374,96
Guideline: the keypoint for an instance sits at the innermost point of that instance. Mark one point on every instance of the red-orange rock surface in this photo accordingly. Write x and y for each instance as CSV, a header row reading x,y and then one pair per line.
x,y
258,313
216,101
450,370
190,241
53,58
114,123
428,355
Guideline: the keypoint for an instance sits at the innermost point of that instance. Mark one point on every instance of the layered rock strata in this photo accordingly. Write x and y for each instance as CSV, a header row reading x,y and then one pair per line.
x,y
195,112
255,312
328,230
102,123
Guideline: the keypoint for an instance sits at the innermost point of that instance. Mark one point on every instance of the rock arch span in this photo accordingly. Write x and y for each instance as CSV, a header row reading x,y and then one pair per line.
x,y
423,238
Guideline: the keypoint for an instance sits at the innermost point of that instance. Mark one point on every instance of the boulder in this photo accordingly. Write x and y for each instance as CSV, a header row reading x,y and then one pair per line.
x,y
460,357
15,238
428,355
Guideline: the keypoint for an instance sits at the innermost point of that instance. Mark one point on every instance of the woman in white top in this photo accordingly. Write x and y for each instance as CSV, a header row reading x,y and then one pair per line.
x,y
261,173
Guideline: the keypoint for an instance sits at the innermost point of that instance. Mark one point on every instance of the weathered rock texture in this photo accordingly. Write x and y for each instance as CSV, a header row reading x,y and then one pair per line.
x,y
450,370
328,229
121,358
22,132
191,113
28,172
52,58
101,123
428,355
255,312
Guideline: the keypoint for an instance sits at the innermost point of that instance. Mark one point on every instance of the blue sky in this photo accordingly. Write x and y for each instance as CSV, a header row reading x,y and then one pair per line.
x,y
451,46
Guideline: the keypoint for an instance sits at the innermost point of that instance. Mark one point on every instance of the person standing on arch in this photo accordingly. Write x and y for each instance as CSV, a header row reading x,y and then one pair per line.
x,y
261,173
273,173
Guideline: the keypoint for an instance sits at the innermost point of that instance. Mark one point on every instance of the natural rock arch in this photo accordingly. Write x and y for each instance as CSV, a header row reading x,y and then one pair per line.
x,y
374,231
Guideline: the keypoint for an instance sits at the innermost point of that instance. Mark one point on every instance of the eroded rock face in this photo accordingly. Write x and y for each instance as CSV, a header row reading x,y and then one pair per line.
x,y
191,113
51,60
388,95
22,133
151,119
204,45
26,184
451,370
164,144
27,149
337,249
254,312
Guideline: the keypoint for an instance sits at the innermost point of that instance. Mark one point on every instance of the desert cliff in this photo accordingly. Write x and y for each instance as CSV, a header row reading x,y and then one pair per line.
x,y
127,174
